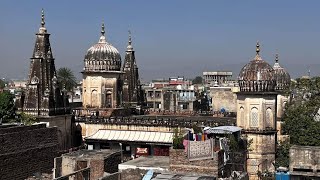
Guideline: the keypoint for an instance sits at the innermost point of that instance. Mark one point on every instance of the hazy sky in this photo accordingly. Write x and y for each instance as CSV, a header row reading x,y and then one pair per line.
x,y
171,38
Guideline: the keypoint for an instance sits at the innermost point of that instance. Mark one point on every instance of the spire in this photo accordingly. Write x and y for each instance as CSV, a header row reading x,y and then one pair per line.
x,y
257,52
102,37
42,29
129,37
129,47
42,18
257,48
102,29
276,64
277,58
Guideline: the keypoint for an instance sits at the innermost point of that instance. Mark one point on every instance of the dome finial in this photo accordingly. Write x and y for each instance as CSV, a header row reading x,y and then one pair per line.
x,y
129,37
102,29
277,58
129,47
257,48
42,18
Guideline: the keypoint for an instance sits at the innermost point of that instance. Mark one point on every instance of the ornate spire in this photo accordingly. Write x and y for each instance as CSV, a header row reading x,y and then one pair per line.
x,y
102,37
102,29
257,48
129,47
42,18
129,37
277,58
257,52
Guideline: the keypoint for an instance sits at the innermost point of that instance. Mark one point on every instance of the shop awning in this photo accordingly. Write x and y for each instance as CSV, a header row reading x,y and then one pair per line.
x,y
132,136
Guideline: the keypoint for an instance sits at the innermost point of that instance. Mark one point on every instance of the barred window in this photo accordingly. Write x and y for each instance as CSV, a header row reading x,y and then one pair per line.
x,y
254,120
269,117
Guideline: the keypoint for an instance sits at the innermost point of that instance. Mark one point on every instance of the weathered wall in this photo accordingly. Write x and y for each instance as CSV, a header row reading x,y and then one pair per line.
x,y
88,129
26,150
132,174
179,163
64,133
223,97
305,161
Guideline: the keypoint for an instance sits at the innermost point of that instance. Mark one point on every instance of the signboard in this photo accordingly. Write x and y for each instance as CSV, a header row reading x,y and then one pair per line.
x,y
142,152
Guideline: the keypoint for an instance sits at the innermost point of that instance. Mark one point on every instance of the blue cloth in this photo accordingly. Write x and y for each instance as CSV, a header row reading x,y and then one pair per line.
x,y
148,175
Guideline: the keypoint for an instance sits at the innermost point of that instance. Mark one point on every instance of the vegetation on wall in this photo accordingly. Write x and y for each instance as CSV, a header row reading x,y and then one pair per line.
x,y
7,108
177,140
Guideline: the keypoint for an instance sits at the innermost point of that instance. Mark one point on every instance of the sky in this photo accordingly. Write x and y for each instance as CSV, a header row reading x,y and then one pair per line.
x,y
171,38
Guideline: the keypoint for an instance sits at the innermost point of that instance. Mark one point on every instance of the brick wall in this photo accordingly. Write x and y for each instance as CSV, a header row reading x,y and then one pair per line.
x,y
179,163
65,131
133,174
26,150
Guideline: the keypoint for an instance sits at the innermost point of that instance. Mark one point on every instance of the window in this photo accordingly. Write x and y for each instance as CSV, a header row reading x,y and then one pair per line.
x,y
108,99
158,94
269,117
242,117
254,119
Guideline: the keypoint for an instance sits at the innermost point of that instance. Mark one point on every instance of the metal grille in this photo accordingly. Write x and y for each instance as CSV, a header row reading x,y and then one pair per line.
x,y
254,117
269,117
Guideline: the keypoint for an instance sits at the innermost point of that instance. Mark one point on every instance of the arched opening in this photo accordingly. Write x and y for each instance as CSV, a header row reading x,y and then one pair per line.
x,y
269,117
109,99
254,119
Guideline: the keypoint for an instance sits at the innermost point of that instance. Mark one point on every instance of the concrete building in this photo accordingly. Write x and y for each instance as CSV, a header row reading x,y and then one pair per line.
x,y
86,164
304,162
224,98
221,77
256,113
177,95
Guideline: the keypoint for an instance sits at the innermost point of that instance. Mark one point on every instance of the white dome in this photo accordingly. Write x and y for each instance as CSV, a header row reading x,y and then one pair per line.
x,y
102,56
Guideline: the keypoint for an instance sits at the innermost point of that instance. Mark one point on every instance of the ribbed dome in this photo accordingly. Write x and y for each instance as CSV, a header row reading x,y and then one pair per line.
x,y
257,75
282,76
102,56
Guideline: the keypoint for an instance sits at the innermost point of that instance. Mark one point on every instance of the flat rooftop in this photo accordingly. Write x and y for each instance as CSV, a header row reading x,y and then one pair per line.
x,y
147,162
90,154
164,176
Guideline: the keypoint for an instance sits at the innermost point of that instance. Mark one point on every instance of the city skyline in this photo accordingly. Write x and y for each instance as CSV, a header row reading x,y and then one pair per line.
x,y
170,38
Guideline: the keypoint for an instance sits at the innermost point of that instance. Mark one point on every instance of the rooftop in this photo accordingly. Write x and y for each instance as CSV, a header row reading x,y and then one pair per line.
x,y
147,162
90,154
164,176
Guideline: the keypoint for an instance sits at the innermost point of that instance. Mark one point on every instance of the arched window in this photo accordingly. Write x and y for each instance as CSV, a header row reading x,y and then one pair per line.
x,y
94,98
269,117
254,119
242,117
108,99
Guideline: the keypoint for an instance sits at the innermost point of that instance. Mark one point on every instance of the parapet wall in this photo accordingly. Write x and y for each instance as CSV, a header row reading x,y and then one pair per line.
x,y
26,150
179,163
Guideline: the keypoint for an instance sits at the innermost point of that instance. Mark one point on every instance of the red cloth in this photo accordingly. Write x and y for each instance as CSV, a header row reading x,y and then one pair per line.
x,y
185,144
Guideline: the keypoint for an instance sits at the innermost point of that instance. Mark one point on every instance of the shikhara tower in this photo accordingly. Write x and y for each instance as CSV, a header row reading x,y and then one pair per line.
x,y
43,96
132,93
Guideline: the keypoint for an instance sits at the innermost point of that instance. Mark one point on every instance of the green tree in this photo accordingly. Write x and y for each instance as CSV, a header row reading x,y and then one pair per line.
x,y
197,80
2,84
300,122
66,78
282,154
7,108
27,119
